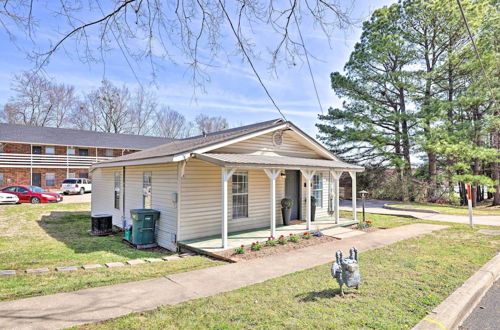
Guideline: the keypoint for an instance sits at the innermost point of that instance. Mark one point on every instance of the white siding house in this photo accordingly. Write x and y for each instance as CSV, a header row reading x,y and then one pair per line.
x,y
224,182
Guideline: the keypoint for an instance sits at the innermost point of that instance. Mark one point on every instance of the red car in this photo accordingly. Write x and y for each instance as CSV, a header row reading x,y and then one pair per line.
x,y
33,194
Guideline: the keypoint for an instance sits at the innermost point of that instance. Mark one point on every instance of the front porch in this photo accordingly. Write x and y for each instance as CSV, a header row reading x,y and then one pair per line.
x,y
212,244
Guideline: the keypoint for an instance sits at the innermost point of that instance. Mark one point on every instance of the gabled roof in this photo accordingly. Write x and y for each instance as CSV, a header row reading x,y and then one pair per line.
x,y
188,145
73,137
193,147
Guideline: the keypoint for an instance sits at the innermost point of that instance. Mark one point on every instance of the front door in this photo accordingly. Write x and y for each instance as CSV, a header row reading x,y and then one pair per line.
x,y
36,179
292,191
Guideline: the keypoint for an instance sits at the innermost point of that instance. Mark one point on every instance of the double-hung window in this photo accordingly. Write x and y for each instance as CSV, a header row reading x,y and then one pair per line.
x,y
50,179
70,151
117,190
147,189
50,150
240,195
317,189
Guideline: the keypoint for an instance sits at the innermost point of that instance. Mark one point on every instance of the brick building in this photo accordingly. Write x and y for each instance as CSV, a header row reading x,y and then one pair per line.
x,y
45,156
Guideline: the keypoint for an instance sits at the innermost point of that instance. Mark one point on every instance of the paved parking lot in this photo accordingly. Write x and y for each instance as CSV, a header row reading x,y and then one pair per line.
x,y
85,198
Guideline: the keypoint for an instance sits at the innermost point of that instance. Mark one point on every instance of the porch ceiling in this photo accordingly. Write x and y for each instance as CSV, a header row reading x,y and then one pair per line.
x,y
279,162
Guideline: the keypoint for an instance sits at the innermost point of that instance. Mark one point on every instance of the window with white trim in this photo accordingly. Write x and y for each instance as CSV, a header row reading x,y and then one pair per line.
x,y
109,152
240,195
147,185
317,189
50,150
70,151
50,179
1,180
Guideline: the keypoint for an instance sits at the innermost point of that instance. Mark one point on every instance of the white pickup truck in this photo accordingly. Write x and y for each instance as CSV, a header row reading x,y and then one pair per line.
x,y
76,186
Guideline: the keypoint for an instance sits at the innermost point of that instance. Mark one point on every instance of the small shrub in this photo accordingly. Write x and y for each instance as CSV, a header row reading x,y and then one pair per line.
x,y
282,240
364,225
306,235
286,203
271,241
256,246
240,250
293,238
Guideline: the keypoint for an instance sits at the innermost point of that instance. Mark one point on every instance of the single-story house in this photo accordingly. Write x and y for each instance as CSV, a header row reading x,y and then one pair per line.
x,y
223,182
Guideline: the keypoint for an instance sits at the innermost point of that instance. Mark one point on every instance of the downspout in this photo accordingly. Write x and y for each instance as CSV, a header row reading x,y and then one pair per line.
x,y
124,222
180,174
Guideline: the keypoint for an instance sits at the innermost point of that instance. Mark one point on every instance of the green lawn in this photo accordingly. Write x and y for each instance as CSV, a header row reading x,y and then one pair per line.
x,y
401,284
453,209
51,235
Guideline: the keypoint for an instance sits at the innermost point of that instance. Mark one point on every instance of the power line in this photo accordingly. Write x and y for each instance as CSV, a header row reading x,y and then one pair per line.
x,y
307,59
249,60
476,51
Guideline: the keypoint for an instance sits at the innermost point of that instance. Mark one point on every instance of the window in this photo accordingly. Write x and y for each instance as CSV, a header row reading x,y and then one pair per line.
x,y
117,190
83,152
1,150
36,150
70,151
146,190
1,180
50,179
10,189
317,188
240,195
109,152
71,175
50,150
83,175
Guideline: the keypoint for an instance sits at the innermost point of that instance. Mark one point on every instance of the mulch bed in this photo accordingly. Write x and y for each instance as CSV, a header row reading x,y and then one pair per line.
x,y
270,250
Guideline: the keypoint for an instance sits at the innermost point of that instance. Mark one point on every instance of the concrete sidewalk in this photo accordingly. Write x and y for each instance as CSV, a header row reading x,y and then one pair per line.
x,y
98,304
376,207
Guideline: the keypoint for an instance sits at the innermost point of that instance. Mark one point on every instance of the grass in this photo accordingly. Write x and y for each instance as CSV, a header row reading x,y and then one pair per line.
x,y
51,235
482,209
401,284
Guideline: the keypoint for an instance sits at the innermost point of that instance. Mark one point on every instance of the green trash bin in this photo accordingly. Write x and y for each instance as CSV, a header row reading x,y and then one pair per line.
x,y
143,225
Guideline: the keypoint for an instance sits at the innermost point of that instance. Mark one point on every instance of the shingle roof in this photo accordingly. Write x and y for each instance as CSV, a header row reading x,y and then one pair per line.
x,y
242,160
190,144
73,137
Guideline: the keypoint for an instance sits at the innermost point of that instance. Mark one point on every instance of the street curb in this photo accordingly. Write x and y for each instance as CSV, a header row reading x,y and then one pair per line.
x,y
395,208
455,309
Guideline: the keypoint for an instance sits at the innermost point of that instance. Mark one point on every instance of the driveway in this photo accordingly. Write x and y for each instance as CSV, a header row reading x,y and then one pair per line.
x,y
377,207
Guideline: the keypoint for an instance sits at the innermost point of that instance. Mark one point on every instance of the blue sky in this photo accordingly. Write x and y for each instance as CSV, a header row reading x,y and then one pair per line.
x,y
233,91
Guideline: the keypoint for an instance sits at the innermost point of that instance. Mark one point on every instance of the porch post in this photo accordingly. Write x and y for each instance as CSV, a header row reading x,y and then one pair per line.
x,y
336,190
273,175
226,174
353,179
308,174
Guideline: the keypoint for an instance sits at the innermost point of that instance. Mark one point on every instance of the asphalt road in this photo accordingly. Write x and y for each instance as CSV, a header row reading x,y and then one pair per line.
x,y
486,315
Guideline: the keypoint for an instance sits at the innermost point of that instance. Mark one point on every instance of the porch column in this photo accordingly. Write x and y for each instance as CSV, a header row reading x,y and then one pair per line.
x,y
308,174
353,179
336,190
226,174
273,175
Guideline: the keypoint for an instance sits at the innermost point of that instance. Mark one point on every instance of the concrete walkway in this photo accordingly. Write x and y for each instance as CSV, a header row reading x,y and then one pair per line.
x,y
98,304
376,206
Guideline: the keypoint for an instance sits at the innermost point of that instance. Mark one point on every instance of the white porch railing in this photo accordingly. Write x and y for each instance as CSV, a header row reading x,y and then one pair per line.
x,y
47,161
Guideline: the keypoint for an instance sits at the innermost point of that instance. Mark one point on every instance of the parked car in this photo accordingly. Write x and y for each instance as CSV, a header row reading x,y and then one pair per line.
x,y
6,198
32,194
76,186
